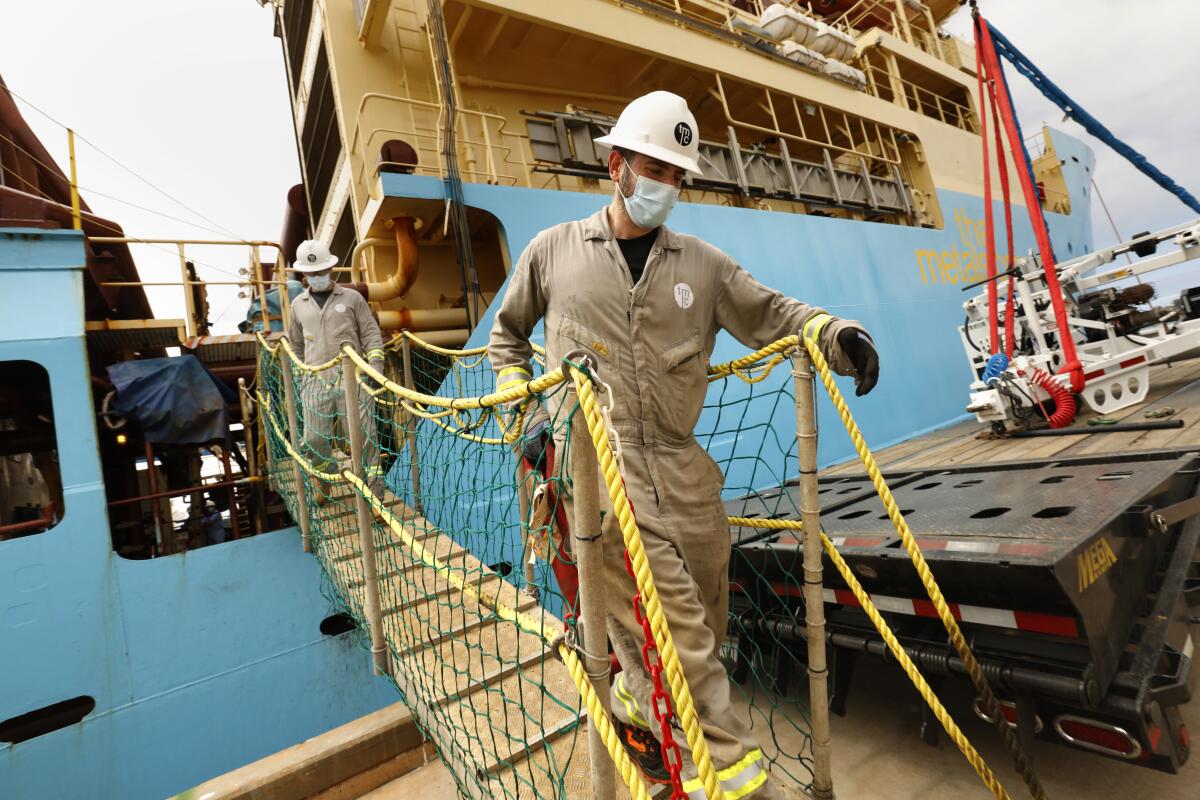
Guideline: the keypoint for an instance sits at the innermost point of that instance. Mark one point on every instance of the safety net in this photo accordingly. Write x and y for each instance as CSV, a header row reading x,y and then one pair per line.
x,y
468,594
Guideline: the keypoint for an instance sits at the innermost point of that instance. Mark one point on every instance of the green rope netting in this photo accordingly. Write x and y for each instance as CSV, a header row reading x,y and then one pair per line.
x,y
501,710
748,429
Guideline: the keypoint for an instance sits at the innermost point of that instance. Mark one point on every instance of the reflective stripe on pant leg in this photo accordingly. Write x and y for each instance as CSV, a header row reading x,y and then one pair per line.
x,y
737,780
629,701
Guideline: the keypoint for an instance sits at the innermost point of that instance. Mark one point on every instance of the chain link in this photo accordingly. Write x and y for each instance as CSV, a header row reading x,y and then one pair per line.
x,y
660,701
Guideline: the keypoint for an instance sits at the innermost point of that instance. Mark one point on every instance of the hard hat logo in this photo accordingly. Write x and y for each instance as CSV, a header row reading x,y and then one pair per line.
x,y
683,134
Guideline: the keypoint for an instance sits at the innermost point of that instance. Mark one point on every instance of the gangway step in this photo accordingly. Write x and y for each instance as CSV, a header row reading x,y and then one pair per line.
x,y
507,714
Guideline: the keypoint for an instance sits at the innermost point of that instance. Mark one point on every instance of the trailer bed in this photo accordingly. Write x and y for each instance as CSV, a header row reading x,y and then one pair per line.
x,y
1078,600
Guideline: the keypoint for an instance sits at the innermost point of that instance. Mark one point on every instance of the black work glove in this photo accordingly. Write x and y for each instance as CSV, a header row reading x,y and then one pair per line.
x,y
859,348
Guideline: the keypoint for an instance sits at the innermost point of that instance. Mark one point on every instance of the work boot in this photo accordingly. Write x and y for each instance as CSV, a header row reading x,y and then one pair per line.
x,y
644,750
321,492
634,734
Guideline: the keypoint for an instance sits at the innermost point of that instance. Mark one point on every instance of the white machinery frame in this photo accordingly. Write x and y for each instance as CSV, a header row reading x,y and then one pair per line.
x,y
1116,367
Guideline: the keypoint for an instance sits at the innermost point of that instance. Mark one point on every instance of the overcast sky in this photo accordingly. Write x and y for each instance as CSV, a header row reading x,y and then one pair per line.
x,y
192,96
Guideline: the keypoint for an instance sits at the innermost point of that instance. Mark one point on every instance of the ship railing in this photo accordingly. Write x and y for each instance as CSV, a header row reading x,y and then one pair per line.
x,y
862,138
717,13
254,282
1039,149
887,86
909,22
488,151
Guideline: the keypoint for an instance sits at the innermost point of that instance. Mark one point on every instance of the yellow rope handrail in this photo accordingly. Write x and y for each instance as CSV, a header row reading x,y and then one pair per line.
x,y
974,671
519,392
615,482
445,351
306,465
287,348
266,345
898,652
630,773
777,347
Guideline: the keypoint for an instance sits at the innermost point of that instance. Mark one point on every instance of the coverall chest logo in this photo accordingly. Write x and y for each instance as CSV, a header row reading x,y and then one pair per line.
x,y
683,295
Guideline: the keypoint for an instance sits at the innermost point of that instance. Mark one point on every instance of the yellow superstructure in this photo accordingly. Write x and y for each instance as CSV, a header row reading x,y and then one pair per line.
x,y
377,86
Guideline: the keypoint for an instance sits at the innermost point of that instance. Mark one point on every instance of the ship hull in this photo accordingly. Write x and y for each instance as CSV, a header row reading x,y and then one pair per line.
x,y
196,663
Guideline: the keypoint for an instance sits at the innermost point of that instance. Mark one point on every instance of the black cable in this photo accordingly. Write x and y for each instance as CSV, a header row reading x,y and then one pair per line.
x,y
457,210
967,335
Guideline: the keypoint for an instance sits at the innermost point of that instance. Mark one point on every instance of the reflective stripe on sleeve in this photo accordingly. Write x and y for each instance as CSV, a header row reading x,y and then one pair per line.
x,y
812,329
512,376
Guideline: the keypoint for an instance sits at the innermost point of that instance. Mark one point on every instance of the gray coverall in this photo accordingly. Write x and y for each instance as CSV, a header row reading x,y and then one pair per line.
x,y
317,334
652,342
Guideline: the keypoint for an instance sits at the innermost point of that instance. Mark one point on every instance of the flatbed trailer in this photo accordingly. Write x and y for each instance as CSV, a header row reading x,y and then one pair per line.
x,y
1074,573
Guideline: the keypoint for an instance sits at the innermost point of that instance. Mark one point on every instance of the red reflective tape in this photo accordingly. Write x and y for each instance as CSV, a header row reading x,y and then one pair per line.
x,y
862,541
1046,623
1154,735
791,589
845,597
1132,361
926,608
932,544
1087,376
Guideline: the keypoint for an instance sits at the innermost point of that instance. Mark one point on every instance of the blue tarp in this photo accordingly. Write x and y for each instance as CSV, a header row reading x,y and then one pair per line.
x,y
173,400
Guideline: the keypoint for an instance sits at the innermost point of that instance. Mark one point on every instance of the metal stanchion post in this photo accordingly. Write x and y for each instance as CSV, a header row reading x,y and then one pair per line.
x,y
589,555
366,525
814,619
410,428
289,398
251,455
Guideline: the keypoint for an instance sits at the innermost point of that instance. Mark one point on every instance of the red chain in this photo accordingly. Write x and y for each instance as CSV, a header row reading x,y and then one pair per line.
x,y
659,700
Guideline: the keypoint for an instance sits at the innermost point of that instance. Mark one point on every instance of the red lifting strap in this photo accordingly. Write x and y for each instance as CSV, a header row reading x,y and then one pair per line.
x,y
994,335
562,562
1009,308
992,63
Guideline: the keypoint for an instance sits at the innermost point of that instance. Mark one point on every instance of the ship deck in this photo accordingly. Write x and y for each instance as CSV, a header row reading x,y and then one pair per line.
x,y
1176,385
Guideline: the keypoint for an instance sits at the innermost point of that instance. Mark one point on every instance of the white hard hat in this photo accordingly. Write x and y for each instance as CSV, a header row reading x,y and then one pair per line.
x,y
658,125
313,256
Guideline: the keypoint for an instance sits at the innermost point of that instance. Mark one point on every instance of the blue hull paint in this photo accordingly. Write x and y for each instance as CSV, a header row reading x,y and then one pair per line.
x,y
198,663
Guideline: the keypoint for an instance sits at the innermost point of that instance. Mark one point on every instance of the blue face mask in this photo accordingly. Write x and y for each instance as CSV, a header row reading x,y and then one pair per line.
x,y
651,201
319,283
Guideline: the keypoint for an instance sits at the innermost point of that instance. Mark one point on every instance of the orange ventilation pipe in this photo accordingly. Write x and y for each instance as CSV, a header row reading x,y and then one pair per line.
x,y
398,284
422,319
407,264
